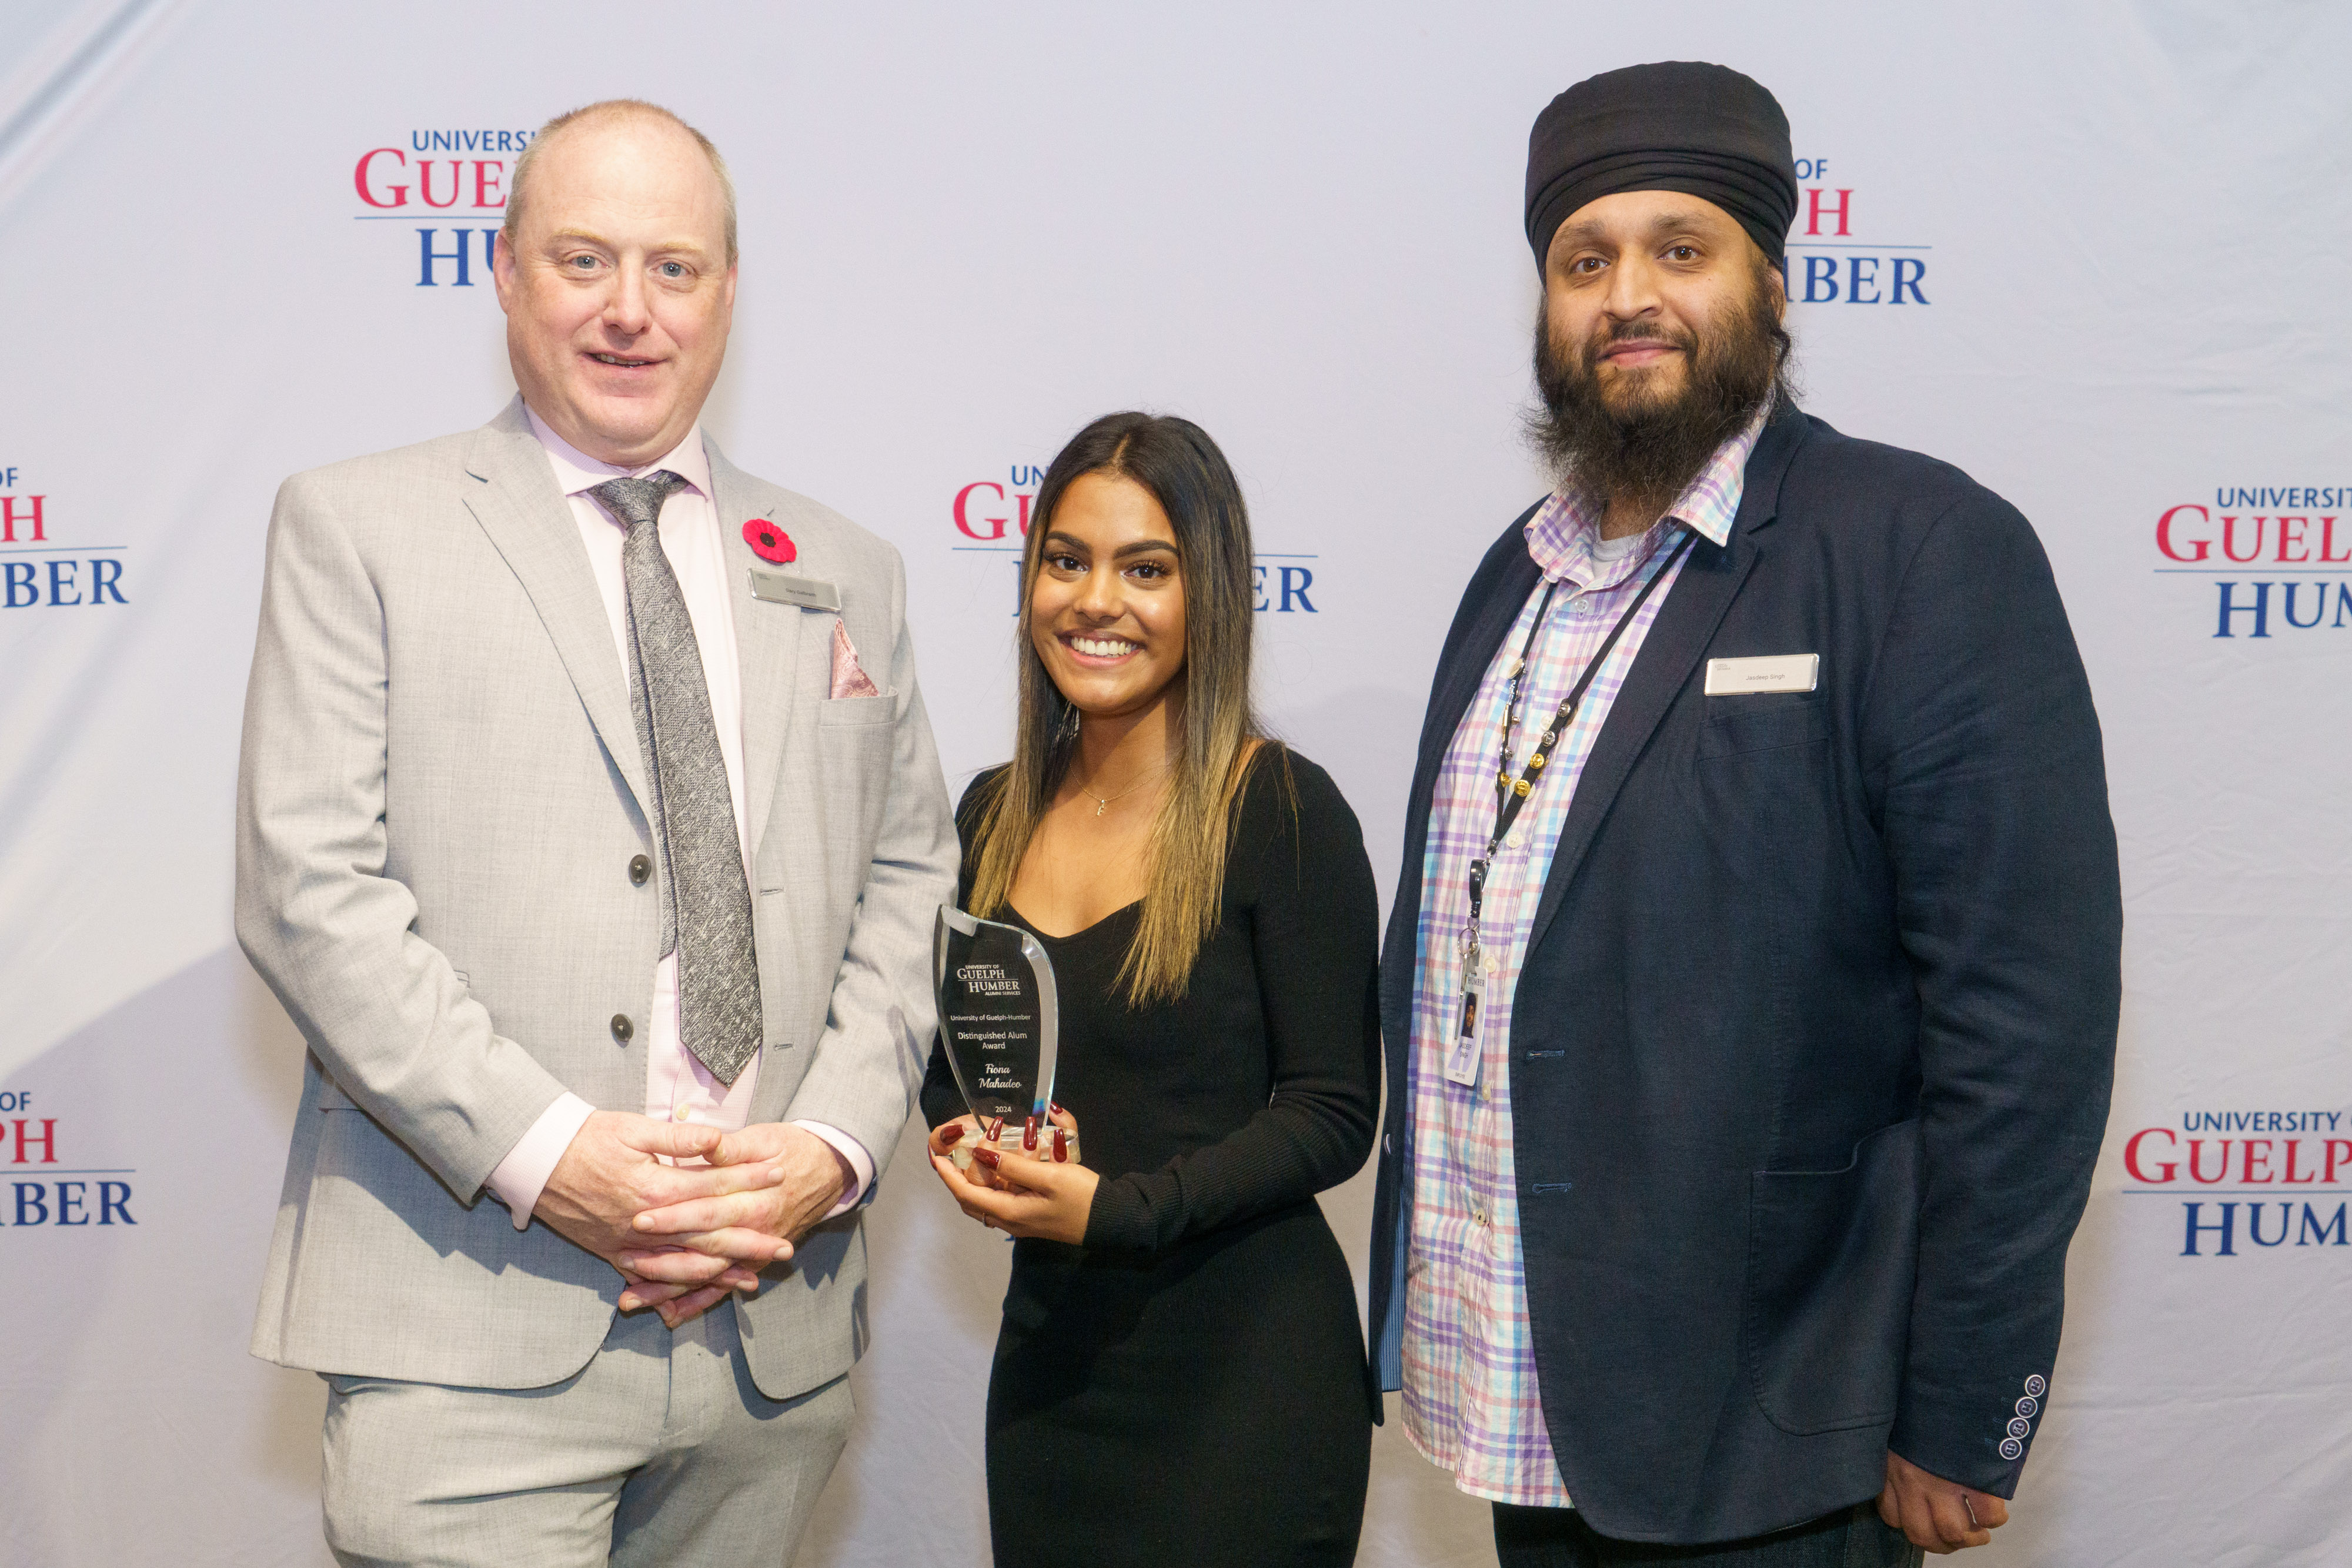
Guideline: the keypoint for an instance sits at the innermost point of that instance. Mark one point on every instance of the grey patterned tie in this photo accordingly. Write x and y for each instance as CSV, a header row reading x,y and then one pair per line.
x,y
706,905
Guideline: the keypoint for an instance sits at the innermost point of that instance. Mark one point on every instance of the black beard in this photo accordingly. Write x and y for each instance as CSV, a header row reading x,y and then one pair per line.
x,y
1645,450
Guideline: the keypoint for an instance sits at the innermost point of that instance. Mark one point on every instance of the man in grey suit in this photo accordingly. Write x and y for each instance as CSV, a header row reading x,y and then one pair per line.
x,y
590,827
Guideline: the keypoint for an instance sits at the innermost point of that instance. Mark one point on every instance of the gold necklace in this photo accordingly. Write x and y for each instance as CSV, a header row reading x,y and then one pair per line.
x,y
1102,802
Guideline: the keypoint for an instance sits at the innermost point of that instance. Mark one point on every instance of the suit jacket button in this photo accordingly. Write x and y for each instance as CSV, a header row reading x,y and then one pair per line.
x,y
622,1028
2010,1448
640,868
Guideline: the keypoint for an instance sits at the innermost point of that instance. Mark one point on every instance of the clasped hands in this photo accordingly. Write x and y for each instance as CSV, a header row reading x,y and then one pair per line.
x,y
683,1237
1040,1197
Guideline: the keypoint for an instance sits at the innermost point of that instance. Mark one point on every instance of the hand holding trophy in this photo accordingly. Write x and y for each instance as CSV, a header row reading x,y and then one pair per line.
x,y
1013,1163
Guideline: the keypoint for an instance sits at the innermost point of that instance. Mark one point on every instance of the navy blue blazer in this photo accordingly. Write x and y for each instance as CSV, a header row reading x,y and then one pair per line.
x,y
1811,1044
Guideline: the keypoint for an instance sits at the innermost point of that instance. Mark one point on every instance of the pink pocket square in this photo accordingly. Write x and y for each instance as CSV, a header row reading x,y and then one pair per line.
x,y
848,680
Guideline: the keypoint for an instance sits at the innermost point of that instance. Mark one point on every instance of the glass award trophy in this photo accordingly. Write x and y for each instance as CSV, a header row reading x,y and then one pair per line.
x,y
999,1020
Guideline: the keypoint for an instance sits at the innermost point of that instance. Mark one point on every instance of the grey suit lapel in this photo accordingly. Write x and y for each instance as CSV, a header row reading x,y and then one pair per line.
x,y
767,640
531,526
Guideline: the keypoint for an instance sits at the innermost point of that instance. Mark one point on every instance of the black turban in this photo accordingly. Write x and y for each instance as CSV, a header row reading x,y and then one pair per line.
x,y
1705,130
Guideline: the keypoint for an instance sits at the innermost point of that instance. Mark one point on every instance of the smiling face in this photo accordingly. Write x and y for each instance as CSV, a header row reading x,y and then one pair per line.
x,y
1107,608
1660,338
1635,284
617,289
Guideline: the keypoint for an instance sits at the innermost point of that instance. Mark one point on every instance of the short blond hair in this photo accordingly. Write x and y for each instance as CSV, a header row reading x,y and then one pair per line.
x,y
518,182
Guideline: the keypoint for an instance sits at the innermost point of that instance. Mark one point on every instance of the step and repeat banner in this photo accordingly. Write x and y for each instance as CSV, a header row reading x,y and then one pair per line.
x,y
2099,254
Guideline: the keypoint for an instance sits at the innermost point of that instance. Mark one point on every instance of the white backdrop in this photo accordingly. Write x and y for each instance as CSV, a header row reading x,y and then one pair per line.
x,y
2096,253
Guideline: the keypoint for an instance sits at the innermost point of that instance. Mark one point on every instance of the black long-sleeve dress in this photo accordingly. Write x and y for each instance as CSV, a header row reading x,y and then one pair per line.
x,y
1190,1387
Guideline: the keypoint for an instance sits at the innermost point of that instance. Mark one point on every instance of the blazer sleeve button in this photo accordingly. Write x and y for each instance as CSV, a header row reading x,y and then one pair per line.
x,y
622,1028
640,868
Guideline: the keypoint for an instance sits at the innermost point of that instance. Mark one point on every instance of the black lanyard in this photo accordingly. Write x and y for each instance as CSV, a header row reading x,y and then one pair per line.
x,y
1511,794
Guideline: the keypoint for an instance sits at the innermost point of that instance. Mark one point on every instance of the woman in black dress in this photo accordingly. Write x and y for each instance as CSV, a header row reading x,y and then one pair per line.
x,y
1180,1377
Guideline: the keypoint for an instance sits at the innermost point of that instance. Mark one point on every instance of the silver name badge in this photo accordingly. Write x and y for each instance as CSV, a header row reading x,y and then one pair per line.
x,y
783,588
1775,672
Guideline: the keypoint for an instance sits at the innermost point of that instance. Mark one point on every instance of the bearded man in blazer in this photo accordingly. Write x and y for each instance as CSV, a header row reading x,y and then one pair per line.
x,y
1752,986
591,830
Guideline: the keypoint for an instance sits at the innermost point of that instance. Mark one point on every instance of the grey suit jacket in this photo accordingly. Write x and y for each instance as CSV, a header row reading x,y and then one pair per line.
x,y
439,796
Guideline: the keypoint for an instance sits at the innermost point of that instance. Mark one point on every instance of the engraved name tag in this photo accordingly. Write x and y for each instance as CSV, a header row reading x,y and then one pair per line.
x,y
1775,673
783,588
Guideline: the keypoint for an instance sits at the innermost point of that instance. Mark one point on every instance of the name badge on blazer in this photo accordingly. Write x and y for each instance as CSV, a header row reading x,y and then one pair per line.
x,y
806,592
1774,673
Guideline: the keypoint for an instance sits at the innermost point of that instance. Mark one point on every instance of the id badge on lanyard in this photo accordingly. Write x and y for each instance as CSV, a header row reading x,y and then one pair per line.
x,y
1463,1053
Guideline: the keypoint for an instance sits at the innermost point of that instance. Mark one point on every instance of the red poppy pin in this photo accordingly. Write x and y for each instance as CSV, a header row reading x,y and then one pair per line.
x,y
768,541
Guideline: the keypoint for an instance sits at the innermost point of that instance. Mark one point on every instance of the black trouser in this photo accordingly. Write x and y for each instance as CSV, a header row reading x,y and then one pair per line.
x,y
1559,1538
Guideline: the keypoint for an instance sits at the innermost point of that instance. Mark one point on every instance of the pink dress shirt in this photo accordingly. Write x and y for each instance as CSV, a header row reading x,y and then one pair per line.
x,y
679,1088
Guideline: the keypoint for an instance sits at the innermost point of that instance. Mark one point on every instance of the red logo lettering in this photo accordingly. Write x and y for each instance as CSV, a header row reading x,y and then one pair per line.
x,y
2250,1178
2131,1156
360,178
2164,533
1814,210
2327,543
2230,539
47,1138
10,518
2197,1162
996,524
425,183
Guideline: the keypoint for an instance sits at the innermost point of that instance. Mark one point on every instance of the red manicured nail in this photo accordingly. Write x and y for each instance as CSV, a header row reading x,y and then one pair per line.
x,y
1061,1145
952,1133
1029,1135
996,1130
1056,1104
985,1155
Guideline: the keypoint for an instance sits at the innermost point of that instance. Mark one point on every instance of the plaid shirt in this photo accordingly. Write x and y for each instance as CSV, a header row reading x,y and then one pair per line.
x,y
1471,1403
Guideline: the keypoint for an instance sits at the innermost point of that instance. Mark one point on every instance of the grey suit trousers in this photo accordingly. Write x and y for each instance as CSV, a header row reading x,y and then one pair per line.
x,y
660,1453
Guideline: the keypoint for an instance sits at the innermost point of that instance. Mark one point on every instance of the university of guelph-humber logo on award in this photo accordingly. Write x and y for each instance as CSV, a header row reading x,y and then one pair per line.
x,y
987,980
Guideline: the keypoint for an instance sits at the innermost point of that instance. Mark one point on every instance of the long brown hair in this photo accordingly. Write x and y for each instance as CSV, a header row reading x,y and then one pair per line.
x,y
1184,874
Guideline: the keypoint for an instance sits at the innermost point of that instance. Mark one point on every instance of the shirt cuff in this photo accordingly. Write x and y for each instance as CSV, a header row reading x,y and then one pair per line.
x,y
522,1176
857,1165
